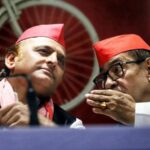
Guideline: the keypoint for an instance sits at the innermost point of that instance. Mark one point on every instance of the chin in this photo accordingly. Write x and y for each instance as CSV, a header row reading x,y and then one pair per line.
x,y
43,84
44,92
44,89
42,80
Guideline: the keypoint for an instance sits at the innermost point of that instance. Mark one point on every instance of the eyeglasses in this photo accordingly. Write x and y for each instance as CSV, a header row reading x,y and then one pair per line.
x,y
115,72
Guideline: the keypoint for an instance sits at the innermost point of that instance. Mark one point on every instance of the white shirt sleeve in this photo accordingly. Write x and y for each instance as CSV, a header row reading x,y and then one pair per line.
x,y
142,114
77,124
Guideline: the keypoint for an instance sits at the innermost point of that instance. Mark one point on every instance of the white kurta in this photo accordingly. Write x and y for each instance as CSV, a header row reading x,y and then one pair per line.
x,y
142,114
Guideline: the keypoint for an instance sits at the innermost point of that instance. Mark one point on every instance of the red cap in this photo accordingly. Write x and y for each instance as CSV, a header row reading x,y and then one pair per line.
x,y
108,48
52,31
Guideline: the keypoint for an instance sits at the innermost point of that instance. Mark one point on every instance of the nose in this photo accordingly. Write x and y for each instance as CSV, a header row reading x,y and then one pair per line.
x,y
110,84
52,59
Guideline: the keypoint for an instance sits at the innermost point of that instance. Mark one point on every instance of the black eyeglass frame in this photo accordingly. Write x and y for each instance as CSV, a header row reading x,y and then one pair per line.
x,y
106,74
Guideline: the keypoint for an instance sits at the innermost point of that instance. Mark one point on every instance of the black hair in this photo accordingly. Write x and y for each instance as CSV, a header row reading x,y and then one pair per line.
x,y
139,54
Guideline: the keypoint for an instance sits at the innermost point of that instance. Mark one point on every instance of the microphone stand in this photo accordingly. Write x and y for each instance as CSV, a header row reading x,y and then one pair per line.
x,y
32,99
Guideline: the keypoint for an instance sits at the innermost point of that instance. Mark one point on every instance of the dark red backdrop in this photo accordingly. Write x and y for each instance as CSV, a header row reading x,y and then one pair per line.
x,y
112,17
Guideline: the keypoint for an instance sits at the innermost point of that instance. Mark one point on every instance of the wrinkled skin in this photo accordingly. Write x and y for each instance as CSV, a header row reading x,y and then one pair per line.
x,y
117,104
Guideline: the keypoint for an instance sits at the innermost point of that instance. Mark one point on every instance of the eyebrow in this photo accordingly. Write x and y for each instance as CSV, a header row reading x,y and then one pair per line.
x,y
115,61
45,47
101,70
49,48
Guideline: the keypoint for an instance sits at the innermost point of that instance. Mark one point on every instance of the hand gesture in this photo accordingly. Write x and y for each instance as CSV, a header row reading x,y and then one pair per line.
x,y
115,104
18,114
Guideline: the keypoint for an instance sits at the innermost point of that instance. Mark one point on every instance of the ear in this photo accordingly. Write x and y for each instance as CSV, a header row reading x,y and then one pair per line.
x,y
147,63
10,60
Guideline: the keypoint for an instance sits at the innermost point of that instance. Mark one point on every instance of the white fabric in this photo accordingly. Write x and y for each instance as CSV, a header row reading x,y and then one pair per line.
x,y
8,97
142,114
77,124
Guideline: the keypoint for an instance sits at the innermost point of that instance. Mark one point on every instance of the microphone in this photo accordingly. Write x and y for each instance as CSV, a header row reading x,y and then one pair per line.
x,y
32,99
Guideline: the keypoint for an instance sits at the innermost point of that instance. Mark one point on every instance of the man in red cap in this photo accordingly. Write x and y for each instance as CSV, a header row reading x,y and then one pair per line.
x,y
39,53
123,85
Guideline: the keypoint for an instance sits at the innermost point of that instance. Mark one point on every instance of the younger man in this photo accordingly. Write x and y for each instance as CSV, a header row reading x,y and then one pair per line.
x,y
39,53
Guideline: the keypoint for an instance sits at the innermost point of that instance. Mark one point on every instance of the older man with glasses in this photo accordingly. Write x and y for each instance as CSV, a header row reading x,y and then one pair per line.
x,y
123,85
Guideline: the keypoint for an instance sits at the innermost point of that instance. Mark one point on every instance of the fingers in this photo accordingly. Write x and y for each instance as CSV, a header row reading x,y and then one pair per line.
x,y
5,110
110,92
105,112
102,105
112,98
100,101
115,104
14,114
13,119
97,97
3,113
107,92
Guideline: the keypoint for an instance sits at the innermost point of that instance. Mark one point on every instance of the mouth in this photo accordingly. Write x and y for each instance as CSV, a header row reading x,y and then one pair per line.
x,y
48,72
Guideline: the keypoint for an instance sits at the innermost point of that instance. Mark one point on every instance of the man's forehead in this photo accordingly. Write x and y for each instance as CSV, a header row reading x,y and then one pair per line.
x,y
42,42
120,57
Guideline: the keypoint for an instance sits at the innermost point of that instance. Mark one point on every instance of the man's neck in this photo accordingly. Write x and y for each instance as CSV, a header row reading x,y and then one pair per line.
x,y
43,100
19,86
